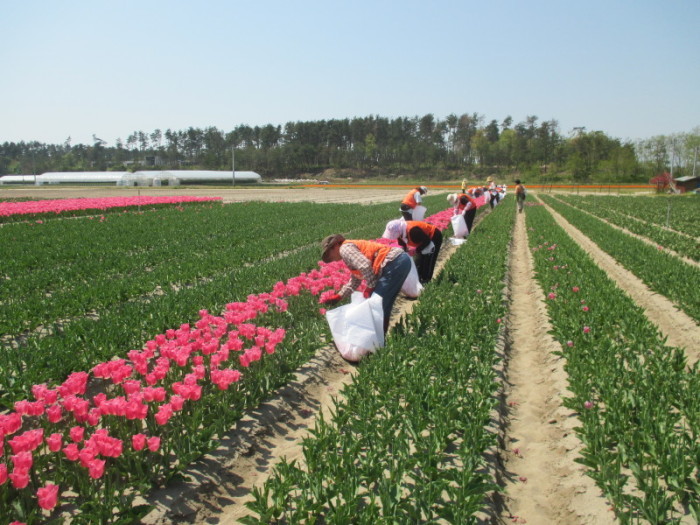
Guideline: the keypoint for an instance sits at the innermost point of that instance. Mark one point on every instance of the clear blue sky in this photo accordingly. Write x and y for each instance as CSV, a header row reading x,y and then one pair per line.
x,y
77,68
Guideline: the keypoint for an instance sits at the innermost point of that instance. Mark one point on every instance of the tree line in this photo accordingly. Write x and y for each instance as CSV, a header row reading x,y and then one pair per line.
x,y
453,147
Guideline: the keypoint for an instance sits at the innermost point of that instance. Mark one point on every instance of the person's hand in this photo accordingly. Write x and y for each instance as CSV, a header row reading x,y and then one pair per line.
x,y
368,292
428,249
333,299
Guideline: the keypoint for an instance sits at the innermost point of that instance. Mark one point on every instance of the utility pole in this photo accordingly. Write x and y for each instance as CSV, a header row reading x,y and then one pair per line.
x,y
233,166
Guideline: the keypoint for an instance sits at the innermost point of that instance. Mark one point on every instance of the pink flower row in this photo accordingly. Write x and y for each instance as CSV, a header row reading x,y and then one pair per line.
x,y
63,205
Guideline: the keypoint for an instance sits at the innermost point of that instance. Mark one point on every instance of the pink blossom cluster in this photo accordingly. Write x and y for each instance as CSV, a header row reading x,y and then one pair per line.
x,y
64,205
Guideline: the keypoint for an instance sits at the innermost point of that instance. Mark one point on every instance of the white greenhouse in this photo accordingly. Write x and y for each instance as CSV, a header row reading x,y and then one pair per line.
x,y
178,177
17,179
138,178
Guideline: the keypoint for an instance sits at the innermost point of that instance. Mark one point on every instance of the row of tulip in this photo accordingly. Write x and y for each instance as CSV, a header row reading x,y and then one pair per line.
x,y
407,440
674,212
125,318
36,210
683,244
69,450
661,271
636,398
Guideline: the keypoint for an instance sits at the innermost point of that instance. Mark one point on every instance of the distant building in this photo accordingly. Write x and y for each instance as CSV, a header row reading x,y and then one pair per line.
x,y
688,183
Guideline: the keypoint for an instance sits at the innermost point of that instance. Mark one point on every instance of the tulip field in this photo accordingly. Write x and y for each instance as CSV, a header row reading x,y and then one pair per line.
x,y
134,339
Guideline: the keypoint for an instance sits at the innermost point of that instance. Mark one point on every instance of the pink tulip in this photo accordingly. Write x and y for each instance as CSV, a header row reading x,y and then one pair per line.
x,y
138,441
586,329
55,442
76,434
552,295
22,460
54,413
71,451
588,405
96,468
569,343
19,478
585,308
47,496
153,443
3,473
575,289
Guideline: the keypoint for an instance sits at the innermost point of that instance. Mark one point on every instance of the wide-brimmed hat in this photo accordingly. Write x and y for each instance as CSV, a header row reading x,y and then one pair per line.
x,y
489,179
328,243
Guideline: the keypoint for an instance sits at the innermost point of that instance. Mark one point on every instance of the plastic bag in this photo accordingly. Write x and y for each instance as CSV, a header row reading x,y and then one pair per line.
x,y
411,286
419,213
358,327
459,226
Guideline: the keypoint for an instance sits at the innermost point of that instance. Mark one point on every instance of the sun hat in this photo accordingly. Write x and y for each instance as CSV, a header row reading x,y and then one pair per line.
x,y
423,190
328,243
394,229
490,179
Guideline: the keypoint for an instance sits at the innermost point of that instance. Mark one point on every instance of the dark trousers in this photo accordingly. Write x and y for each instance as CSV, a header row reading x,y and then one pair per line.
x,y
406,212
469,218
425,264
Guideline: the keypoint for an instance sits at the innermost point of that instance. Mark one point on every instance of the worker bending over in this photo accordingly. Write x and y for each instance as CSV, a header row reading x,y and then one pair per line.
x,y
383,268
424,237
411,200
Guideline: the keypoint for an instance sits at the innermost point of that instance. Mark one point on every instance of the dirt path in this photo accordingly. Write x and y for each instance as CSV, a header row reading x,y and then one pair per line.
x,y
544,484
266,193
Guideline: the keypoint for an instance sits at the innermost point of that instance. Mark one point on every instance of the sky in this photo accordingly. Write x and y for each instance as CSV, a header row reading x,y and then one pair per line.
x,y
73,68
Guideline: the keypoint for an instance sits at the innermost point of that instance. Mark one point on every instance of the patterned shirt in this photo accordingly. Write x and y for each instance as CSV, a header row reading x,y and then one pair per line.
x,y
356,260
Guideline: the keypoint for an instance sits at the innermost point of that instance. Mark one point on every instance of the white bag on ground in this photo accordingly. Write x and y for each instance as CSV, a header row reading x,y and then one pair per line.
x,y
411,286
459,226
358,327
419,213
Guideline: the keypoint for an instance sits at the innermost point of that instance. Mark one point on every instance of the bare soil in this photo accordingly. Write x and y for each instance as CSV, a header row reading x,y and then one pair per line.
x,y
542,482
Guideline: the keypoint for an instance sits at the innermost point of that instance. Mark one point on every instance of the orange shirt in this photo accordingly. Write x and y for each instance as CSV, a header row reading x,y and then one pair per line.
x,y
374,251
410,199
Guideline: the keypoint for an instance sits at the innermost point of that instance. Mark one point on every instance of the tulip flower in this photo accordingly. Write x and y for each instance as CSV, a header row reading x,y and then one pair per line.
x,y
96,468
19,478
153,443
55,442
47,496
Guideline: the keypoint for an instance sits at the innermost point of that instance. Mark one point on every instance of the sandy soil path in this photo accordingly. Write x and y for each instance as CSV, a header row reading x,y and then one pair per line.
x,y
237,194
543,483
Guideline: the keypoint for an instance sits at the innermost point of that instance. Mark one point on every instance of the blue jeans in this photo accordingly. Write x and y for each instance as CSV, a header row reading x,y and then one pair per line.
x,y
390,282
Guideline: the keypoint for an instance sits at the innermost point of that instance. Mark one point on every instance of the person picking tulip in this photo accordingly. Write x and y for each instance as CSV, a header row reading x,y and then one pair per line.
x,y
383,268
424,237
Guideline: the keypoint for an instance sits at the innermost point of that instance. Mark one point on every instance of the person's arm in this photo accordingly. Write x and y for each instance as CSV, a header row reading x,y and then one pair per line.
x,y
417,196
355,260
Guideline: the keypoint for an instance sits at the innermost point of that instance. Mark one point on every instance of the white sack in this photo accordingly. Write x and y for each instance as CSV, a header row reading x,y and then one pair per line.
x,y
459,226
411,286
419,213
358,327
